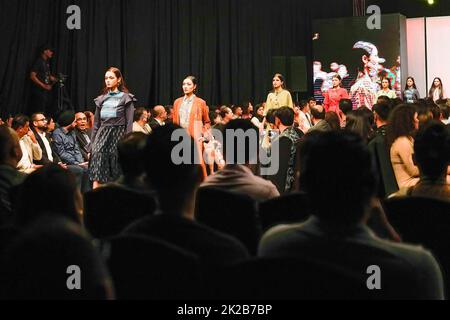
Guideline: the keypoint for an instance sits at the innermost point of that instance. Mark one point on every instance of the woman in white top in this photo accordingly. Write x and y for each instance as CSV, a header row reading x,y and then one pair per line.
x,y
304,119
279,97
258,118
437,90
386,89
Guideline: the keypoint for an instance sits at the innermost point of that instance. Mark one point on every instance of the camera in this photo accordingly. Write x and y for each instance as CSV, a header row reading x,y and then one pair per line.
x,y
61,78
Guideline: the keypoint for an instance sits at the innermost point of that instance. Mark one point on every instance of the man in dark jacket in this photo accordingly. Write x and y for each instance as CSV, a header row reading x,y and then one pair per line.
x,y
67,148
380,153
83,135
40,126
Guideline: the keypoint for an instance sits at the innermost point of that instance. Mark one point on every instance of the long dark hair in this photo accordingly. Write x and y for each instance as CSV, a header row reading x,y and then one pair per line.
x,y
401,123
255,113
414,83
281,77
441,87
336,76
122,85
358,123
389,82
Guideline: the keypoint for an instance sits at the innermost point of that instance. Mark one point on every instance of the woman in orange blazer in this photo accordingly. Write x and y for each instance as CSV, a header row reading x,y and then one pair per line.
x,y
191,113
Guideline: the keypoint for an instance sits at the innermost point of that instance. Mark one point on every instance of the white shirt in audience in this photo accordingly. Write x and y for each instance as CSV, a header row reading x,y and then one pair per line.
x,y
48,148
138,128
30,152
305,122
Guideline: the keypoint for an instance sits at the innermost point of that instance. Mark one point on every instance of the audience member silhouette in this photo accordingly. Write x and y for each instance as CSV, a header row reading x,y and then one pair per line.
x,y
288,140
239,176
52,259
49,190
432,153
130,149
403,125
380,154
10,177
337,233
318,119
176,186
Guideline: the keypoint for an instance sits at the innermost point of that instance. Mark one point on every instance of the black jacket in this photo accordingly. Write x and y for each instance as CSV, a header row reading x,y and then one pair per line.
x,y
85,146
154,124
212,247
45,160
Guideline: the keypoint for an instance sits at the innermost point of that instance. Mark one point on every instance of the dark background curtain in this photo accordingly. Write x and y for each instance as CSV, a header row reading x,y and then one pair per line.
x,y
227,44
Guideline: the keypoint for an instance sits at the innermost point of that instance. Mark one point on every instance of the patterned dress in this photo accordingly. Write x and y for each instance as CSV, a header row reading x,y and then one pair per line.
x,y
292,134
363,92
113,120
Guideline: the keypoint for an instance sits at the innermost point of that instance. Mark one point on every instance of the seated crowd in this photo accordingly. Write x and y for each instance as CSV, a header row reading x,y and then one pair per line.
x,y
336,172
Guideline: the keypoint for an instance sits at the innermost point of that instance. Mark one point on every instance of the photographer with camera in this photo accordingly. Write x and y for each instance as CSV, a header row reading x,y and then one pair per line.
x,y
42,83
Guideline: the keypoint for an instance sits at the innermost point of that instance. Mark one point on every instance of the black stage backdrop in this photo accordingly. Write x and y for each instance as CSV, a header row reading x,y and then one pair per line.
x,y
227,44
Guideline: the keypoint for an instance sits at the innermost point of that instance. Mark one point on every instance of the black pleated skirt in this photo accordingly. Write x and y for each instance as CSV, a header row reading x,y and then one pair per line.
x,y
104,163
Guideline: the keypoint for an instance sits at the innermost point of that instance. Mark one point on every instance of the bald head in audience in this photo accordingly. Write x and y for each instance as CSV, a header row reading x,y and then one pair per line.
x,y
160,113
81,121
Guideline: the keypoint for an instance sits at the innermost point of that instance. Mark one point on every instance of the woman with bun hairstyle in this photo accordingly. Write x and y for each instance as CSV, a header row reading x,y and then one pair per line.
x,y
192,113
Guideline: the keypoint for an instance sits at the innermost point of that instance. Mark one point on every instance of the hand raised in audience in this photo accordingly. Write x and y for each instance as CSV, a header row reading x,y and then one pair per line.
x,y
32,136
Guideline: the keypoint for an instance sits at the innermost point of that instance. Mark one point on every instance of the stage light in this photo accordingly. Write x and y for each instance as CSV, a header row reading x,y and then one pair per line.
x,y
430,2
